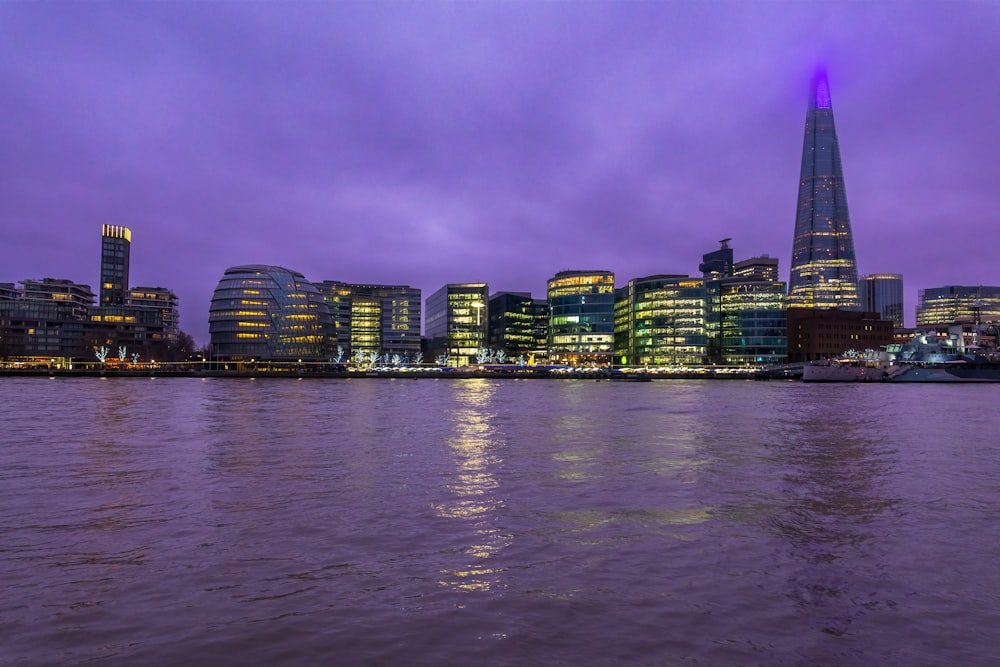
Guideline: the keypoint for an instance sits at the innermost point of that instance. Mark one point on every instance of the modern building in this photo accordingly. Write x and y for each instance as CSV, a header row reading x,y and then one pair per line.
x,y
456,322
718,263
757,268
882,293
164,302
660,321
824,269
380,319
754,321
958,304
581,317
518,324
44,320
261,312
116,242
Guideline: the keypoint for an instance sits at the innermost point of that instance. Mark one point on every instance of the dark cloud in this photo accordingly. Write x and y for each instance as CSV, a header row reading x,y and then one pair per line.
x,y
426,143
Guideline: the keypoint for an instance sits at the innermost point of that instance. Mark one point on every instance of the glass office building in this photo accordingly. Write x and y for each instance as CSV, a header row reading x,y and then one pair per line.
x,y
581,317
754,322
824,271
269,313
382,319
660,321
958,304
882,293
456,321
519,324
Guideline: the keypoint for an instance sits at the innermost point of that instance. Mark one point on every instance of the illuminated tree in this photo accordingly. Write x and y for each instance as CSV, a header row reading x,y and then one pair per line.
x,y
122,353
418,358
442,360
102,353
135,357
501,356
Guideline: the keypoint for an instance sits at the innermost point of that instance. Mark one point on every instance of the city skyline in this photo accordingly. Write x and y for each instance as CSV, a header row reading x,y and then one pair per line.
x,y
442,143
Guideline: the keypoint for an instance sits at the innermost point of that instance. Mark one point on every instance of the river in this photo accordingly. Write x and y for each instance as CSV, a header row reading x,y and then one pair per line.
x,y
163,521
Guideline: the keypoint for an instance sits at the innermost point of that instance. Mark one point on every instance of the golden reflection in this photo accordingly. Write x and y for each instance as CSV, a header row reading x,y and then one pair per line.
x,y
476,450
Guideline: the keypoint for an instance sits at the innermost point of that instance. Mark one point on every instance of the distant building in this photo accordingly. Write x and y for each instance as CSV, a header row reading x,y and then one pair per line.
x,y
958,304
882,293
164,302
815,333
116,242
456,321
757,268
380,319
824,270
581,317
718,263
660,321
261,312
518,324
44,319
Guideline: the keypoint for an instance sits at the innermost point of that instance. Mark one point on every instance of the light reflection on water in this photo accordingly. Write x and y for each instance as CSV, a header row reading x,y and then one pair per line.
x,y
496,522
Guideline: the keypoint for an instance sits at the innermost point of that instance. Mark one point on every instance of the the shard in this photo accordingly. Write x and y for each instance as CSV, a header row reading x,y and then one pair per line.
x,y
824,272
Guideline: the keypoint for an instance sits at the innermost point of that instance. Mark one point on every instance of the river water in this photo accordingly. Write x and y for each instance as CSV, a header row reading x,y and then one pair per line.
x,y
497,522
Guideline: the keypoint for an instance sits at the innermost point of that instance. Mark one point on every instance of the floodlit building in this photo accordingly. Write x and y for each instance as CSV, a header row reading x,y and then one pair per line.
x,y
958,304
261,312
824,270
882,293
581,317
456,322
660,321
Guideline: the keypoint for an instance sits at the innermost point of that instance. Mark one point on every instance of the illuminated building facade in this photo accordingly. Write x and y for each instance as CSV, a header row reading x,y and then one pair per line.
x,y
824,270
882,293
518,324
162,301
754,321
456,321
958,304
261,312
757,268
581,317
383,319
660,321
116,242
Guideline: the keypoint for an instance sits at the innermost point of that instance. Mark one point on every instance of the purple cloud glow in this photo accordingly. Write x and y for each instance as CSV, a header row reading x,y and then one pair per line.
x,y
427,143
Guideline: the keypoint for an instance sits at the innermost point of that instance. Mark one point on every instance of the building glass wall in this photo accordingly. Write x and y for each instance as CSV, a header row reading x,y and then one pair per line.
x,y
518,324
824,269
382,319
660,321
754,322
958,304
882,293
457,321
268,313
581,317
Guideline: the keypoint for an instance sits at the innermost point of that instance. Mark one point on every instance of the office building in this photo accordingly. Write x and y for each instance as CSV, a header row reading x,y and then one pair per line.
x,y
939,307
518,324
261,312
581,317
815,333
753,321
44,320
116,242
882,293
380,319
456,321
660,321
823,269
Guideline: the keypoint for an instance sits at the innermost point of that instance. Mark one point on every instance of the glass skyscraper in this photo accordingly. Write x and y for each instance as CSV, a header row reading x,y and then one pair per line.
x,y
824,271
882,293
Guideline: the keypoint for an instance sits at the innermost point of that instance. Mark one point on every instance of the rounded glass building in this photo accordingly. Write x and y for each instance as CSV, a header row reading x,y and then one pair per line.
x,y
269,313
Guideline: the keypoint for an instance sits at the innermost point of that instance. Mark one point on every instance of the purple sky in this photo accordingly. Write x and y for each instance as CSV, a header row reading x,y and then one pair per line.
x,y
427,143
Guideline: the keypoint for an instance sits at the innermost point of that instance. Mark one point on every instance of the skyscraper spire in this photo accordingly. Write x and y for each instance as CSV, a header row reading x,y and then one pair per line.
x,y
824,272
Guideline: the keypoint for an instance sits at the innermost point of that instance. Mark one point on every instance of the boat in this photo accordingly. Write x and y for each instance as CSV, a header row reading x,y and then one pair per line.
x,y
930,358
870,367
